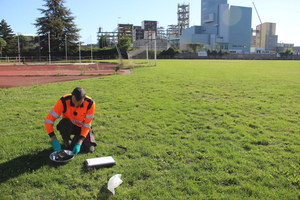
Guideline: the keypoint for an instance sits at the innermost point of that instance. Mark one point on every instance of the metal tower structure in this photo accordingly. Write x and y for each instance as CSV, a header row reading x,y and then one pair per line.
x,y
172,30
183,17
112,37
161,33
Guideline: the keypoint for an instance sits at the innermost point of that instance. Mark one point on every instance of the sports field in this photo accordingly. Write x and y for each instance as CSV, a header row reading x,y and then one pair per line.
x,y
194,129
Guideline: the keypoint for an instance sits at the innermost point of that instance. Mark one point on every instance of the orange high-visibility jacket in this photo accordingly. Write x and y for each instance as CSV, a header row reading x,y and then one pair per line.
x,y
81,116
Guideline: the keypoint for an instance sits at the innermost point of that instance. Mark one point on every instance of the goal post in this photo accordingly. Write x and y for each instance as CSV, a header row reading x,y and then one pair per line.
x,y
142,53
119,53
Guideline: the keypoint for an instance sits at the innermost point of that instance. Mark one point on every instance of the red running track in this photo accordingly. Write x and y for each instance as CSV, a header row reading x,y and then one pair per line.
x,y
26,75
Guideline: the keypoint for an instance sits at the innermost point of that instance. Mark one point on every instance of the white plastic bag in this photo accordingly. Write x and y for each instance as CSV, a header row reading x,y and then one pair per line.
x,y
114,182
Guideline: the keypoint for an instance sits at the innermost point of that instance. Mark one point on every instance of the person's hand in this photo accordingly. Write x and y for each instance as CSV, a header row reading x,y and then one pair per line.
x,y
56,146
76,149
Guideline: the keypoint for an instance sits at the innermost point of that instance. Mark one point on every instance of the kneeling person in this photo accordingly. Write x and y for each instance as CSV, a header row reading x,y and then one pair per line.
x,y
77,112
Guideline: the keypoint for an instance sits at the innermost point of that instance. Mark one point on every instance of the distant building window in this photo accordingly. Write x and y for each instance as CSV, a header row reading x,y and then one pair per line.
x,y
208,18
243,46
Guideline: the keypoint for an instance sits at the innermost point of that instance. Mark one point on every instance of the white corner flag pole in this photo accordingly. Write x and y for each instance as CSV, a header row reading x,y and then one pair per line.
x,y
155,51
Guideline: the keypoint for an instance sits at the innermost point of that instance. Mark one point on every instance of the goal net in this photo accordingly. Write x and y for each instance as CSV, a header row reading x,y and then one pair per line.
x,y
120,54
143,55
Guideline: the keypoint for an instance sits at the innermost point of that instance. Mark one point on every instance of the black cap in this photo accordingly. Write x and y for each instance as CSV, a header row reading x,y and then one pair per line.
x,y
78,93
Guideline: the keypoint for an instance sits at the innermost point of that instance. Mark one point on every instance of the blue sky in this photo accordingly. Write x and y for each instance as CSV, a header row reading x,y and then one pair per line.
x,y
91,14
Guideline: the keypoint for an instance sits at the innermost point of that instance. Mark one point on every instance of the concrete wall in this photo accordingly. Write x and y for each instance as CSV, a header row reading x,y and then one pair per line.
x,y
191,35
237,56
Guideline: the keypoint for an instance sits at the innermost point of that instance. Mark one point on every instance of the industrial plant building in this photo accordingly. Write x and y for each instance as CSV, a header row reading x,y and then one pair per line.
x,y
125,30
149,31
223,26
265,40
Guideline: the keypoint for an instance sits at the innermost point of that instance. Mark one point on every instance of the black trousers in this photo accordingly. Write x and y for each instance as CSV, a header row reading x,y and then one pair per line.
x,y
67,128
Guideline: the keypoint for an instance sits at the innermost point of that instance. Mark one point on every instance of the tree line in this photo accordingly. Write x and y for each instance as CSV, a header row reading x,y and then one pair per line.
x,y
56,23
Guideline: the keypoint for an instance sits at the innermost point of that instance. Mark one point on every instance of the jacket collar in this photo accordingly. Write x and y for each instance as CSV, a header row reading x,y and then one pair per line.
x,y
72,104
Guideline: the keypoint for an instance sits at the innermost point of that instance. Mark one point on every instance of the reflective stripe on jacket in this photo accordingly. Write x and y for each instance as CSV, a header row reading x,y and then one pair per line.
x,y
81,116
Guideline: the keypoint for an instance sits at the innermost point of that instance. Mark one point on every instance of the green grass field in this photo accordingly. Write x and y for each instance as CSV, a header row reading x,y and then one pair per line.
x,y
194,129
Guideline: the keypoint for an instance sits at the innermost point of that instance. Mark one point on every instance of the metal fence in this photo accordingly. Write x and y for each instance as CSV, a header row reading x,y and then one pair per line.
x,y
44,59
29,59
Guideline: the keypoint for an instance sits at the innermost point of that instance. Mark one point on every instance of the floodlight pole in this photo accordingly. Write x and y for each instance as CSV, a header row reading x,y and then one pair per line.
x,y
66,48
79,53
39,49
79,50
19,48
49,47
91,49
